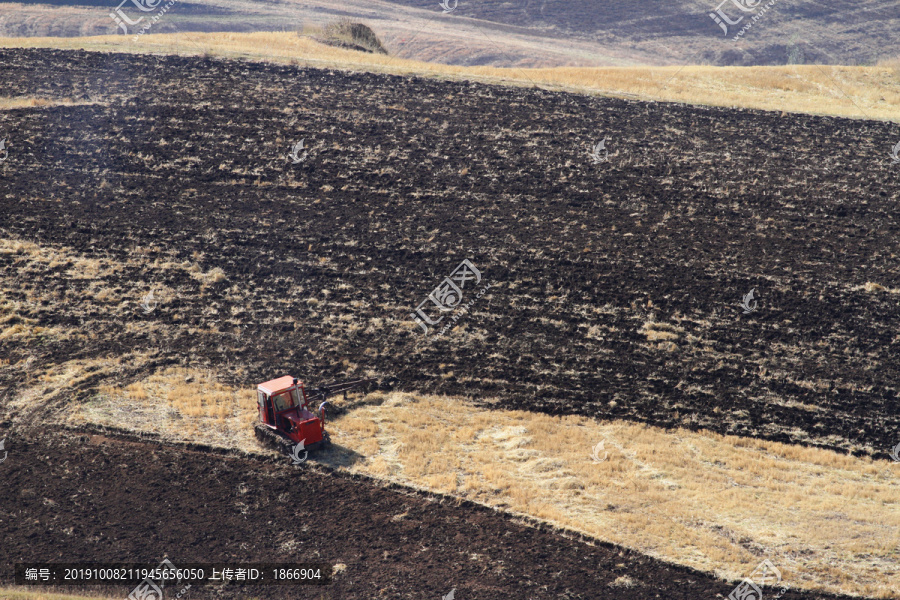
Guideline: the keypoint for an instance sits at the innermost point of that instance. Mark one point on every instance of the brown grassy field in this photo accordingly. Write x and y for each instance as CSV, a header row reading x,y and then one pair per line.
x,y
857,92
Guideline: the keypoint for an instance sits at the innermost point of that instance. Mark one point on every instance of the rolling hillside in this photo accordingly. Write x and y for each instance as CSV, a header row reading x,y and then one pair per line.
x,y
532,34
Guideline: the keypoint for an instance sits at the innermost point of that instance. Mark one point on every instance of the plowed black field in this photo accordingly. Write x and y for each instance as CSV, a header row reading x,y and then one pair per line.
x,y
615,291
404,178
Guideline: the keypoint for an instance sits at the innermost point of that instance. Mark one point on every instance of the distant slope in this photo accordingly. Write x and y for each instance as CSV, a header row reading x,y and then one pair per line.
x,y
833,31
530,33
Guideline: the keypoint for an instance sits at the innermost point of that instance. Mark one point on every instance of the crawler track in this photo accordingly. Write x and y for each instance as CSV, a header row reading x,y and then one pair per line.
x,y
269,438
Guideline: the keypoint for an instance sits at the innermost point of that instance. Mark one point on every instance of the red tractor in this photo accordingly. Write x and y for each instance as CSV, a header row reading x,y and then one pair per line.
x,y
288,414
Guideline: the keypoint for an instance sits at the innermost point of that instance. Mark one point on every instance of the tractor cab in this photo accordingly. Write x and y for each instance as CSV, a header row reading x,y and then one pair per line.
x,y
284,407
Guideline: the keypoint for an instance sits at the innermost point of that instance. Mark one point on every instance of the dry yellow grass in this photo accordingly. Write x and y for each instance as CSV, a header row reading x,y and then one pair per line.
x,y
178,404
660,331
7,103
716,503
859,92
105,286
872,287
214,275
41,385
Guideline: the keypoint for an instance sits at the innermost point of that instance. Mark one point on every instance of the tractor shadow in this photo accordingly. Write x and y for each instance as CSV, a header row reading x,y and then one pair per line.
x,y
342,407
338,456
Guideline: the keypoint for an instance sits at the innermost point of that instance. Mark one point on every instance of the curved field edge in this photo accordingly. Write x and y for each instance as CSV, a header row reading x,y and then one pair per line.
x,y
855,92
716,503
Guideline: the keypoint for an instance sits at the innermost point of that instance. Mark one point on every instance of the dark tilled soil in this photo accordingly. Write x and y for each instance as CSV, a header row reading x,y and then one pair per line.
x,y
185,160
94,498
